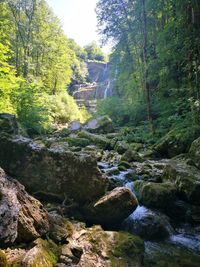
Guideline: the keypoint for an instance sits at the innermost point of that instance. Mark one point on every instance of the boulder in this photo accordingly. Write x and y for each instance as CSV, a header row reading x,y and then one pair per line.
x,y
75,126
43,254
77,141
121,147
72,175
95,139
155,195
95,247
148,224
166,254
113,208
186,179
131,155
22,217
8,123
177,141
101,125
84,247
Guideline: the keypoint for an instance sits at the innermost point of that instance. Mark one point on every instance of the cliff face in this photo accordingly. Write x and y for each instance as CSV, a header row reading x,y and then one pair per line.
x,y
98,86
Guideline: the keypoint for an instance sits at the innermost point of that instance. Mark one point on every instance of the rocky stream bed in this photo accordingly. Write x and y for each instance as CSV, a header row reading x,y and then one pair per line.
x,y
84,197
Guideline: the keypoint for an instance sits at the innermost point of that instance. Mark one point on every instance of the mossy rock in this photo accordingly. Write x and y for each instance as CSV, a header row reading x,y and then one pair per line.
x,y
194,152
8,123
77,141
124,165
131,155
128,250
155,195
44,254
121,147
132,176
95,139
3,259
136,146
100,125
177,141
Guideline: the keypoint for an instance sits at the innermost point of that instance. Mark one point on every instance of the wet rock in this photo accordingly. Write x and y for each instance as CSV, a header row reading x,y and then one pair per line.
x,y
22,217
186,179
148,224
52,171
155,195
100,125
8,123
112,208
169,255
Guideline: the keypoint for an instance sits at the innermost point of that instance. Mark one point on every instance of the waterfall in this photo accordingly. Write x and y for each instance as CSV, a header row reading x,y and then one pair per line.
x,y
106,90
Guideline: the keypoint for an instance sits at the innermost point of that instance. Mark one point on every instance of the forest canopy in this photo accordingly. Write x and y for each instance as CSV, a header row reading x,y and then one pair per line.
x,y
156,57
37,64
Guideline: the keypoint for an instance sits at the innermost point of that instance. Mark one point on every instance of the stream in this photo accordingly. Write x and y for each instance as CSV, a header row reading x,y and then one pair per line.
x,y
163,236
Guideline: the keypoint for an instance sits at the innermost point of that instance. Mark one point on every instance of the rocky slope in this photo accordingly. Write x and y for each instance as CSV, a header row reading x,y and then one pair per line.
x,y
149,206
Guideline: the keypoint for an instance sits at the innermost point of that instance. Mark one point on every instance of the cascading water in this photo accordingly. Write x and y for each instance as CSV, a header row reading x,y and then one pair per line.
x,y
182,241
106,90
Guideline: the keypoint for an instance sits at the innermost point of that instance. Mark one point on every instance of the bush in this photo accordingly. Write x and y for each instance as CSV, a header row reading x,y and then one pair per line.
x,y
32,108
63,109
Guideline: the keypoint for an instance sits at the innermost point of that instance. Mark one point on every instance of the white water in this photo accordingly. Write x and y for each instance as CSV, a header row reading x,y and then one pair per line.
x,y
186,236
106,90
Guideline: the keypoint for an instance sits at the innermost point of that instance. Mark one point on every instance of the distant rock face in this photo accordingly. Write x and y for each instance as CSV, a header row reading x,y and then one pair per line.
x,y
8,123
52,170
22,217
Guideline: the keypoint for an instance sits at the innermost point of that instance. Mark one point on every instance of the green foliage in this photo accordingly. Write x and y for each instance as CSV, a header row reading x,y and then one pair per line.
x,y
32,108
156,72
8,81
64,109
45,60
94,52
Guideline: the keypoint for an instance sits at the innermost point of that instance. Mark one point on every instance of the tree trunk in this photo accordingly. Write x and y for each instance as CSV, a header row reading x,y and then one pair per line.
x,y
145,59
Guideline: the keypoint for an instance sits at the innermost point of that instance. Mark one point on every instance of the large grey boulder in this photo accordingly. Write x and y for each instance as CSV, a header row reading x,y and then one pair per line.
x,y
100,125
113,208
22,217
67,174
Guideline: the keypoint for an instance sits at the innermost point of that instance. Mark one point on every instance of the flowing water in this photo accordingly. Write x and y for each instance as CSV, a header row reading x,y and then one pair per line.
x,y
180,246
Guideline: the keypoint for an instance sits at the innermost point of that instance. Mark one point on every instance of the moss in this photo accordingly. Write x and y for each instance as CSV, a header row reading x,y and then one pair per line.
x,y
3,260
177,141
82,142
124,165
128,249
48,254
155,195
